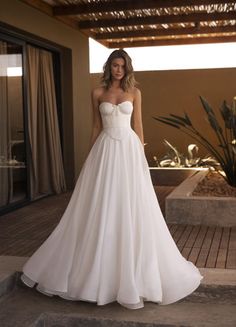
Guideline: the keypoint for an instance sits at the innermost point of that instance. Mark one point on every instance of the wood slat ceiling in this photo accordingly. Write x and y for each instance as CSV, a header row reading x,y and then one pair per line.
x,y
125,23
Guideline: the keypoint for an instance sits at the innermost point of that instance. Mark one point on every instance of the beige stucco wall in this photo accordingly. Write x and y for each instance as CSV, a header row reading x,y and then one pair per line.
x,y
26,18
165,92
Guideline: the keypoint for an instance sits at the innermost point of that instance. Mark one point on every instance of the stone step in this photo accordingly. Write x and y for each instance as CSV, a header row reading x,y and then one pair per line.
x,y
177,315
9,265
207,307
218,286
213,294
8,282
58,320
212,304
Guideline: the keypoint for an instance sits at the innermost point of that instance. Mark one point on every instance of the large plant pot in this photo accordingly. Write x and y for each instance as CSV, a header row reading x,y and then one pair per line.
x,y
181,207
171,176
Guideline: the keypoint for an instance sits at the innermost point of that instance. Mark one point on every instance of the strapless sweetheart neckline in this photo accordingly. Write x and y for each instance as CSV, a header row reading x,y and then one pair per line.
x,y
116,105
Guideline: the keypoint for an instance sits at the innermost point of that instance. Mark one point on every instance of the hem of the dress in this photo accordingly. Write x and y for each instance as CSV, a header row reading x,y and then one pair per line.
x,y
31,283
188,292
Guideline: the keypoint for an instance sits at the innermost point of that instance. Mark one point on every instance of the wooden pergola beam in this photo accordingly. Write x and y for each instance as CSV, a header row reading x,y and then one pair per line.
x,y
153,20
85,26
95,7
165,32
182,41
47,9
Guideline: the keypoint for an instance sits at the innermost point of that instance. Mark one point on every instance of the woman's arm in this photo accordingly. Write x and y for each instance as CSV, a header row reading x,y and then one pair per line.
x,y
97,122
137,115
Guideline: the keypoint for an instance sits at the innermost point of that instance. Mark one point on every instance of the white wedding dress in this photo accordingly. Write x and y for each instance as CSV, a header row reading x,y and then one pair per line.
x,y
112,243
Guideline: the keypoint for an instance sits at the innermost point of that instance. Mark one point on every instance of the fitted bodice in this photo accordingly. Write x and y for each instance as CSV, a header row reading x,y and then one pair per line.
x,y
116,118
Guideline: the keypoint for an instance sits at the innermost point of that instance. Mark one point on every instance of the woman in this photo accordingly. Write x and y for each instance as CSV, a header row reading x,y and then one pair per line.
x,y
112,243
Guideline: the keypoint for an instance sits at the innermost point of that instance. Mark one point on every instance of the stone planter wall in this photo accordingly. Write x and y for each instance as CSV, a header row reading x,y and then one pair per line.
x,y
183,208
171,176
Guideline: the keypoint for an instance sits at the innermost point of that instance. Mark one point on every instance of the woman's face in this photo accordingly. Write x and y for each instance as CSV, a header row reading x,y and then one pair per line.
x,y
118,69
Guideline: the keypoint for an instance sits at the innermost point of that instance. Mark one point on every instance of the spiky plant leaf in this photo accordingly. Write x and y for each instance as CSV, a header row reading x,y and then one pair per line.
x,y
206,106
173,120
180,119
226,114
214,124
188,119
166,122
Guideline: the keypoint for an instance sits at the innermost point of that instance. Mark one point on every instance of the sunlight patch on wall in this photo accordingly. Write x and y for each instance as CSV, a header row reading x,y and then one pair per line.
x,y
197,56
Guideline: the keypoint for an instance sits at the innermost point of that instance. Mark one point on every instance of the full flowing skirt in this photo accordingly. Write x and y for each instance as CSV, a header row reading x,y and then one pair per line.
x,y
112,243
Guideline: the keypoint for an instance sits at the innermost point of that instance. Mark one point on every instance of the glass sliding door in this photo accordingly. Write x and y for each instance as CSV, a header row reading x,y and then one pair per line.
x,y
13,163
31,158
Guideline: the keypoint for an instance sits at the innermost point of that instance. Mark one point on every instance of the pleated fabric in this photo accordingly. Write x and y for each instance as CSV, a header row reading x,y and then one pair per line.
x,y
112,243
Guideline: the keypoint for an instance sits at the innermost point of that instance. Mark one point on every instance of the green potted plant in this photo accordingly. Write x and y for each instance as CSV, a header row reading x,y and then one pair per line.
x,y
225,151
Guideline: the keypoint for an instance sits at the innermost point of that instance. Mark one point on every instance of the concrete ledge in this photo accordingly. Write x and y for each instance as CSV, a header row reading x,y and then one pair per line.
x,y
212,304
171,176
183,208
10,264
7,282
217,276
78,320
9,272
217,292
217,286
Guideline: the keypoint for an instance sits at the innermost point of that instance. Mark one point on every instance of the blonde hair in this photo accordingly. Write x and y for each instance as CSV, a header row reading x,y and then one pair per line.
x,y
128,81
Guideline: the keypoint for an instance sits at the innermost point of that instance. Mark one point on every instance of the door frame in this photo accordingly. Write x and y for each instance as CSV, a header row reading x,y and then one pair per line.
x,y
11,34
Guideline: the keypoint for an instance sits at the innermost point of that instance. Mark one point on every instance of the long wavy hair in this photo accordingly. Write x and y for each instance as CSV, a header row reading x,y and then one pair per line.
x,y
128,81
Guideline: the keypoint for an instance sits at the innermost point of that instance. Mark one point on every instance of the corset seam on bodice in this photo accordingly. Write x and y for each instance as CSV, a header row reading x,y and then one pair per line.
x,y
116,118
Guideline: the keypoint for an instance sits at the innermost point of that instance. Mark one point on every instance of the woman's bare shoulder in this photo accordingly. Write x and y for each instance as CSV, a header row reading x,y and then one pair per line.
x,y
97,92
136,93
